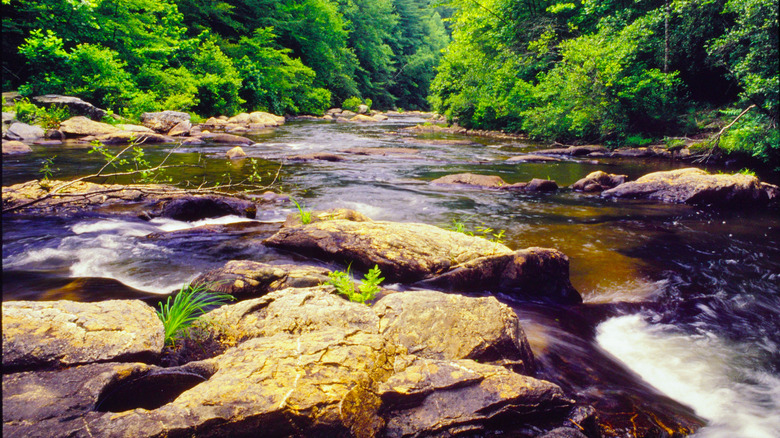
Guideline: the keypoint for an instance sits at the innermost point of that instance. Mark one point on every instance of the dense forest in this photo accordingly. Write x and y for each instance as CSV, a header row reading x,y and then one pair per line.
x,y
613,71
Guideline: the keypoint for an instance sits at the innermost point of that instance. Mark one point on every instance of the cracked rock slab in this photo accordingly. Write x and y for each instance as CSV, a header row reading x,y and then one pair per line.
x,y
294,311
444,398
435,257
63,333
437,325
245,278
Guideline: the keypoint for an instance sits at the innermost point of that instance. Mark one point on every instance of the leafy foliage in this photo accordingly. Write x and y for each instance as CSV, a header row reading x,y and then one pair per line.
x,y
367,289
188,305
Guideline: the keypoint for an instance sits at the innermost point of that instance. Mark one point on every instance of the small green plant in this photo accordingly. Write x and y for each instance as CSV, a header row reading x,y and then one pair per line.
x,y
46,168
484,231
367,289
746,171
304,215
637,141
26,111
188,305
674,143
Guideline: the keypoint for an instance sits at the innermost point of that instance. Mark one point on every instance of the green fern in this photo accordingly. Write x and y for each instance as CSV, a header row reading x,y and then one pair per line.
x,y
188,305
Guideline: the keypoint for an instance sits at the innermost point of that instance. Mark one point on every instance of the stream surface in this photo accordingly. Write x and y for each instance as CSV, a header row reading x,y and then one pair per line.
x,y
680,302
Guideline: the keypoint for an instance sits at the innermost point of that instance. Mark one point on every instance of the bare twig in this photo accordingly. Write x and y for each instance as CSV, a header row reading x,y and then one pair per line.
x,y
715,139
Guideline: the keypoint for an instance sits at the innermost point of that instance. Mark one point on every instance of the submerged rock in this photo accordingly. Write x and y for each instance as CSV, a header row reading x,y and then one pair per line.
x,y
55,333
598,181
409,252
696,186
496,182
323,156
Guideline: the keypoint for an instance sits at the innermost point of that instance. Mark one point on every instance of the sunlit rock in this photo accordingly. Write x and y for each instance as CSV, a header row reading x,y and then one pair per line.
x,y
164,121
81,126
235,153
46,333
245,278
410,252
11,147
598,181
696,186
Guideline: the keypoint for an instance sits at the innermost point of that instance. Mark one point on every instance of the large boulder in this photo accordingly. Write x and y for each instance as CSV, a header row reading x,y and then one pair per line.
x,y
696,186
11,147
164,121
76,106
19,131
306,363
245,278
598,181
66,333
410,252
436,325
81,126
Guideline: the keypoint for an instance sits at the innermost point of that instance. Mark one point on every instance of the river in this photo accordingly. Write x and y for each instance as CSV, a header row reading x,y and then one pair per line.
x,y
680,302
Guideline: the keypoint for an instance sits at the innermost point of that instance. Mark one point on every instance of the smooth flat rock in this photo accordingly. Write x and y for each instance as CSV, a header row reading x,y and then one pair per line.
x,y
12,147
533,158
81,126
437,325
235,153
65,333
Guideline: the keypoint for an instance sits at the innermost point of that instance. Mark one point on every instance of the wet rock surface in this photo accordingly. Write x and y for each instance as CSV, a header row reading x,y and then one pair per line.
x,y
409,252
598,181
696,186
495,182
245,278
147,200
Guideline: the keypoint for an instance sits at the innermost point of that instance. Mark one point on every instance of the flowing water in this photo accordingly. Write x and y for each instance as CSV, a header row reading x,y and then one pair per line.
x,y
681,303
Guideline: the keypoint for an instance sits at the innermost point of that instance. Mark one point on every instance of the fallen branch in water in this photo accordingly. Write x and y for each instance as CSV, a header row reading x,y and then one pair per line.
x,y
714,141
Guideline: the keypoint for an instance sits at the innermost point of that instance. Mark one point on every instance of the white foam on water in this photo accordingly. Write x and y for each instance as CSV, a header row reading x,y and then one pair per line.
x,y
166,224
115,248
700,371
